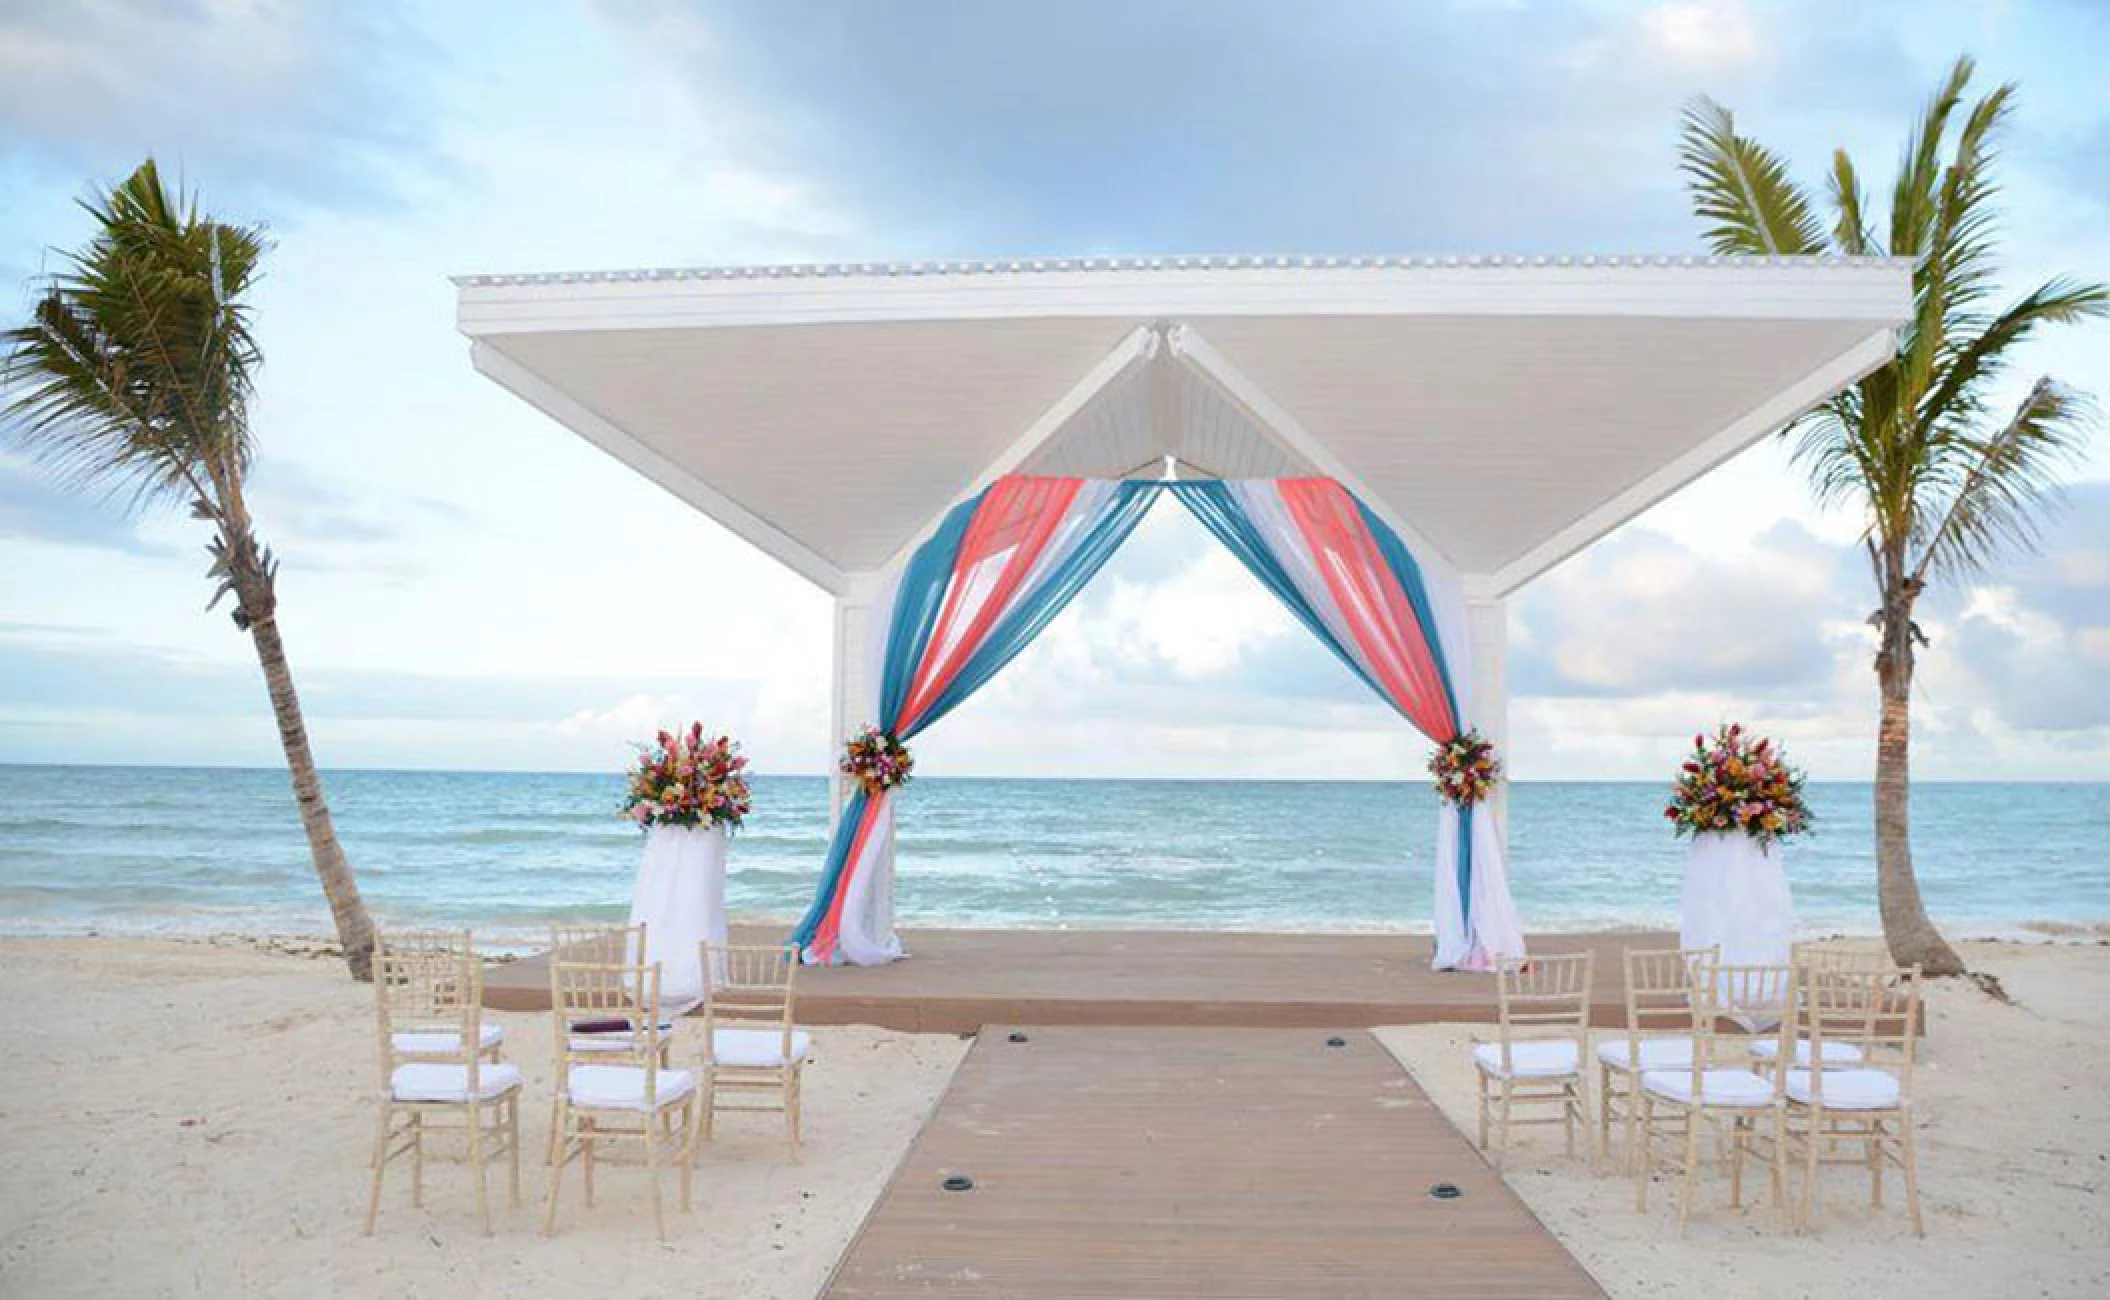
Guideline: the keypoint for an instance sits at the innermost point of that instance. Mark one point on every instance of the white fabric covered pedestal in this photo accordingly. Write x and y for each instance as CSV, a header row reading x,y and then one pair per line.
x,y
680,896
1736,896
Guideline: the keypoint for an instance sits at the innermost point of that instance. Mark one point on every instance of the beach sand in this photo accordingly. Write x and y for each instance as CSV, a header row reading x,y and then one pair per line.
x,y
2014,1162
193,1120
186,1119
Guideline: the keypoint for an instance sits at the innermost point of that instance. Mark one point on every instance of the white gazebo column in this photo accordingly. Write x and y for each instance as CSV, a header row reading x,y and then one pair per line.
x,y
851,686
1488,619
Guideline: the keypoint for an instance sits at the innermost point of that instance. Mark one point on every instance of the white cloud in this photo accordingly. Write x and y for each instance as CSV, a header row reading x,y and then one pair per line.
x,y
1701,35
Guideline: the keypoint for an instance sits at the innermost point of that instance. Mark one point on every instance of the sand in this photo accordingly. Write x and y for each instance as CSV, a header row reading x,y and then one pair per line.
x,y
2014,1163
192,1120
186,1120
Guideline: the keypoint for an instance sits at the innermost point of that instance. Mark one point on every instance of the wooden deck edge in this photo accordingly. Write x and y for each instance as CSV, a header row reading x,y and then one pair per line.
x,y
894,1176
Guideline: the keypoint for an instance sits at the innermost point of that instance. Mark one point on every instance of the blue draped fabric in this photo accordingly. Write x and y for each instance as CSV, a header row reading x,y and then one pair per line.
x,y
1212,502
918,604
1029,616
1219,510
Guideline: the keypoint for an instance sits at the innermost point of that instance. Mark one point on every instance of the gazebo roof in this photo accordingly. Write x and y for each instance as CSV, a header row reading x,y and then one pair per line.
x,y
1503,412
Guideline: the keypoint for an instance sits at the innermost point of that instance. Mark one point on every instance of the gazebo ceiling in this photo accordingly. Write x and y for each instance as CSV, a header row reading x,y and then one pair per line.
x,y
1505,413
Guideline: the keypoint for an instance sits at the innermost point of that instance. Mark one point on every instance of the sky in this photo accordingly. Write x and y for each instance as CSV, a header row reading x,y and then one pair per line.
x,y
467,585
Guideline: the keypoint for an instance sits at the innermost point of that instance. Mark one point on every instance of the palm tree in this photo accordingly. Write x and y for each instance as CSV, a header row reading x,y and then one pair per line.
x,y
1944,480
135,372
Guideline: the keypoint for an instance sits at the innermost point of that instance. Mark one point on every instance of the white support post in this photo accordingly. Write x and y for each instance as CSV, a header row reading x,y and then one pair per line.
x,y
1487,617
851,683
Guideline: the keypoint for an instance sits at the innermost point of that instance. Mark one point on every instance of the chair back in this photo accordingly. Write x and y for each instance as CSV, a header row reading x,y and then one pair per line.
x,y
1877,1011
1546,997
749,986
1749,996
607,1014
430,991
598,945
1659,984
1819,954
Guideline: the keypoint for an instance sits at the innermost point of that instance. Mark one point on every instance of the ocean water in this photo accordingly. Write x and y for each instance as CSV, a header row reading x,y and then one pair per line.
x,y
188,850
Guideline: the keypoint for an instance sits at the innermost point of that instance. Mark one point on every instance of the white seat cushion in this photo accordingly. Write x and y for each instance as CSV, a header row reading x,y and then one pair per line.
x,y
436,1082
1734,1089
622,1087
1656,1053
1835,1054
1546,1058
757,1048
1847,1089
443,1042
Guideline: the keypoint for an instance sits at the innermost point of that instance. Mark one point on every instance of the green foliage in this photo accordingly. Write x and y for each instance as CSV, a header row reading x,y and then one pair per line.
x,y
1910,443
135,368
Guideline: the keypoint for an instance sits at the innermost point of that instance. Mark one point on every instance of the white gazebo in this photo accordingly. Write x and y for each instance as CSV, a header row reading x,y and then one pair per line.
x,y
1498,413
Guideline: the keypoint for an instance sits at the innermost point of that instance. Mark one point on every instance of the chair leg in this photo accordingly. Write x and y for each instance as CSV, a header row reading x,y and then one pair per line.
x,y
1482,1081
1604,1116
1908,1159
1633,1093
707,1094
1692,1167
476,1161
586,1155
556,1104
659,1210
1874,1140
686,1153
512,1123
1641,1143
1571,1108
373,1191
1812,1143
417,1159
1502,1123
560,1156
1737,1140
791,1108
1780,1167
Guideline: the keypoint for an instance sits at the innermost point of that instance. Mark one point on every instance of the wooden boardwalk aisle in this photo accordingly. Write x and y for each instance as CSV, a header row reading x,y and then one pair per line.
x,y
1135,1163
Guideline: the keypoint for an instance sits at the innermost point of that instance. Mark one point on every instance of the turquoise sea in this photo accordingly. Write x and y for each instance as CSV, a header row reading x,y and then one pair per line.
x,y
194,850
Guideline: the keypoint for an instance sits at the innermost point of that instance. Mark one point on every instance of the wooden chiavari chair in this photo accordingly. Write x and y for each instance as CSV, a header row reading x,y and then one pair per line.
x,y
1870,1103
1717,1087
424,995
624,1094
1544,1006
1659,983
753,1051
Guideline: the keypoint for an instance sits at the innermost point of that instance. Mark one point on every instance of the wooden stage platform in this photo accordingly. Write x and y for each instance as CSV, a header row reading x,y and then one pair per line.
x,y
1137,1163
956,981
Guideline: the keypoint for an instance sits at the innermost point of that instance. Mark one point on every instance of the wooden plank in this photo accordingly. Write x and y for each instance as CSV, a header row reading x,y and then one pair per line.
x,y
1127,1162
959,980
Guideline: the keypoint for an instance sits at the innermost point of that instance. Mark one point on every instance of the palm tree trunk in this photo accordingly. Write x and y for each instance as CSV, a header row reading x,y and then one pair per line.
x,y
1906,927
355,929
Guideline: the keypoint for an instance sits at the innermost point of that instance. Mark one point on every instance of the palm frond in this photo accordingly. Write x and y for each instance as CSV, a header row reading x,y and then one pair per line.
x,y
137,364
2012,477
1850,224
1742,189
1912,200
1972,362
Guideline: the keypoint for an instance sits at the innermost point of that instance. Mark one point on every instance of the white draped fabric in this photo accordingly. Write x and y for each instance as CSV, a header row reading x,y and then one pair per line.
x,y
1494,929
680,897
1737,896
867,937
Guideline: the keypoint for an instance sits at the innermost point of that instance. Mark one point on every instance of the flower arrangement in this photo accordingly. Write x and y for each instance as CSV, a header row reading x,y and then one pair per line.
x,y
877,761
1465,769
686,779
1738,782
